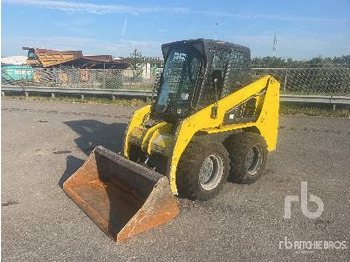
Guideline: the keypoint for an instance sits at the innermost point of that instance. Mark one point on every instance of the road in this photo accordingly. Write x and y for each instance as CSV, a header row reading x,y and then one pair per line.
x,y
43,143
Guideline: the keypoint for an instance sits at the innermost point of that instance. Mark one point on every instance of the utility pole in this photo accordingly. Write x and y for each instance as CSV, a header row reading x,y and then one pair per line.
x,y
274,46
216,30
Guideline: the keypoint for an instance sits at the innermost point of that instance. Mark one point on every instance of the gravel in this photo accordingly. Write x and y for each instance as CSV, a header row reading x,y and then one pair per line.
x,y
43,143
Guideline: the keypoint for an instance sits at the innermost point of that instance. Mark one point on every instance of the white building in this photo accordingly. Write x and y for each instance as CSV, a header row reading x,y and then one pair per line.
x,y
14,60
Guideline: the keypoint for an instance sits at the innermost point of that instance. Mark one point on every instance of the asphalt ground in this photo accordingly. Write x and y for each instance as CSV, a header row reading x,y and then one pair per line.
x,y
43,143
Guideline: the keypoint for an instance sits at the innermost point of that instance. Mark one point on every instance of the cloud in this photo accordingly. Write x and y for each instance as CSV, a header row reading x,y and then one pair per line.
x,y
83,8
296,46
86,44
124,27
79,7
277,17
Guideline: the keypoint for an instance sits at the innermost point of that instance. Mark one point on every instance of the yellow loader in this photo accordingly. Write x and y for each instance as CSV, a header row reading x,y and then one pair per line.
x,y
209,122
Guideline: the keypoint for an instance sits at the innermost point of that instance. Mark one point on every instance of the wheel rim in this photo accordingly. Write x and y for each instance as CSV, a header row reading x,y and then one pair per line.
x,y
211,172
254,160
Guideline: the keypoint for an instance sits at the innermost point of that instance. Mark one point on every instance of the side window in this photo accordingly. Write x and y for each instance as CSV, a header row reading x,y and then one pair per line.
x,y
179,81
238,72
219,63
32,55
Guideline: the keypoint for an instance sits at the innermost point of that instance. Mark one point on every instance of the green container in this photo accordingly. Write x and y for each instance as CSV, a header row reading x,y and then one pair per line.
x,y
16,73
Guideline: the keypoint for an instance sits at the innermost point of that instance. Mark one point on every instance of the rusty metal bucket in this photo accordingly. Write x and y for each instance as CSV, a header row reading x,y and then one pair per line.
x,y
122,197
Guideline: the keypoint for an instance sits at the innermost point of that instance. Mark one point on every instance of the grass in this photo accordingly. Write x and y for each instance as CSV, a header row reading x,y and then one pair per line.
x,y
306,110
315,92
285,108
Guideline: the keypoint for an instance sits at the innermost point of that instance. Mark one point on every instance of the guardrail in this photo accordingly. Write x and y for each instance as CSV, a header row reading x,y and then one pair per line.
x,y
75,91
333,100
316,99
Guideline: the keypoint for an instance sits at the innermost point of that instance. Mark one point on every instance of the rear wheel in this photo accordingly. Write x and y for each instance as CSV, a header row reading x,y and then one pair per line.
x,y
202,171
248,155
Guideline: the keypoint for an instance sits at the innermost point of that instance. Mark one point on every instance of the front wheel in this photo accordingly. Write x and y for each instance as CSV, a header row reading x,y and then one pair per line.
x,y
202,171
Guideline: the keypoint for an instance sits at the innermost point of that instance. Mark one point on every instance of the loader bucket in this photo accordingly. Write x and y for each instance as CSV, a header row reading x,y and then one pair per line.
x,y
122,197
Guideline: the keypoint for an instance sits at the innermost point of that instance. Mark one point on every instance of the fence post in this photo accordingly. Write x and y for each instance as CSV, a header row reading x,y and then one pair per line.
x,y
104,75
285,81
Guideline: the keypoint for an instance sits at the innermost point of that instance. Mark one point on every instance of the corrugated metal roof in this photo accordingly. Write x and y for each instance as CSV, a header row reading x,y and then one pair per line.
x,y
50,58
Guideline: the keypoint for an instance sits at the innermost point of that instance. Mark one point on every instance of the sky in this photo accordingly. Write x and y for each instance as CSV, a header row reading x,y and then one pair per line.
x,y
304,28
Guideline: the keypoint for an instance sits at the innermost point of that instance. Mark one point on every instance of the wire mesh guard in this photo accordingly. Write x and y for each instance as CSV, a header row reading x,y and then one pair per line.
x,y
312,81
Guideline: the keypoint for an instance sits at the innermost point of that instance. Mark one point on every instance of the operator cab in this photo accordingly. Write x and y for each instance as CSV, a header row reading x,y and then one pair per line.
x,y
196,74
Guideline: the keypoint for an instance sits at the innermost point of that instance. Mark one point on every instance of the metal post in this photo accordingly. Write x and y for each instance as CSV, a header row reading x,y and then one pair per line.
x,y
285,80
104,75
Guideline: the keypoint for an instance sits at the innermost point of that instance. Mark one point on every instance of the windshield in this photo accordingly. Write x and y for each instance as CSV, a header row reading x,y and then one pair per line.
x,y
179,81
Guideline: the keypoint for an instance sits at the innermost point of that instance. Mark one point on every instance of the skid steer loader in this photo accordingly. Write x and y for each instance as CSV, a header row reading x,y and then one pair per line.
x,y
209,122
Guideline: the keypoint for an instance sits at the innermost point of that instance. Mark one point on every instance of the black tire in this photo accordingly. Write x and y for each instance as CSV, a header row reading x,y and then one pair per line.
x,y
189,176
240,147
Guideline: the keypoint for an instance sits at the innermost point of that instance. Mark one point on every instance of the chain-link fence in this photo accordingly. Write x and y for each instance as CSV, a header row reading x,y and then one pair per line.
x,y
309,81
315,81
77,78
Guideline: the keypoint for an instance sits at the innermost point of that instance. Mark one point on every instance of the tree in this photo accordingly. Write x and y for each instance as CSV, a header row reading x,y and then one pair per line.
x,y
136,60
316,62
